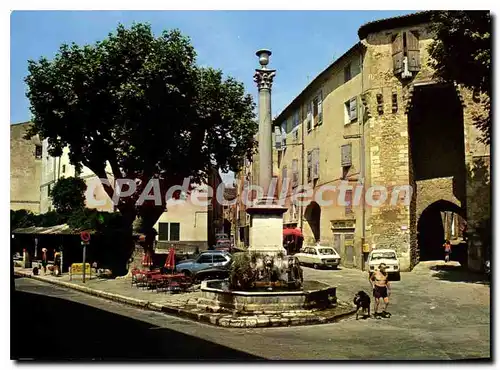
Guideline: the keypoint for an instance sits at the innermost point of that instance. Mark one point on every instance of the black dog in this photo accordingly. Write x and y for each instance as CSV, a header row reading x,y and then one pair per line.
x,y
362,301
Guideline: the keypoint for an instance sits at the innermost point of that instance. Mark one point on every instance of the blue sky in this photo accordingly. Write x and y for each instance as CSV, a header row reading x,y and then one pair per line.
x,y
303,42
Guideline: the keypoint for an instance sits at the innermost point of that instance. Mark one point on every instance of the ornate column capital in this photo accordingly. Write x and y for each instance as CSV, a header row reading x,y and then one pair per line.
x,y
264,78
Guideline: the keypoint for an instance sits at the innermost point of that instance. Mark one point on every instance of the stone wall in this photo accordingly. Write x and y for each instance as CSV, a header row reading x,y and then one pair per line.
x,y
478,188
432,190
24,171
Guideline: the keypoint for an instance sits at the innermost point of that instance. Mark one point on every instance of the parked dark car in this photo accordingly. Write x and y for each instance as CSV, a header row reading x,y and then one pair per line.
x,y
212,273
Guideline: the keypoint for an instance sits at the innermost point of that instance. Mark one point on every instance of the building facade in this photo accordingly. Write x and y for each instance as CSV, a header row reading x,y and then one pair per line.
x,y
191,222
55,168
25,169
376,125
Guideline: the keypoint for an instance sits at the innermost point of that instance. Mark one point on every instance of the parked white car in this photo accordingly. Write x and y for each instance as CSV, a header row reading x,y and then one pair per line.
x,y
386,256
318,256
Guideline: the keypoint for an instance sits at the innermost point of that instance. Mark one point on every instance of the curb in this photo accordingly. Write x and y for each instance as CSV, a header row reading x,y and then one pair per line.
x,y
206,318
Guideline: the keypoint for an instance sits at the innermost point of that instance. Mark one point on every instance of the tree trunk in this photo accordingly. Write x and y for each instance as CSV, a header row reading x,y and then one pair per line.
x,y
136,219
143,223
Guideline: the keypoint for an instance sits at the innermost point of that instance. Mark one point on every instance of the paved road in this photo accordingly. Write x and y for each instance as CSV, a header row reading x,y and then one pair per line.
x,y
434,317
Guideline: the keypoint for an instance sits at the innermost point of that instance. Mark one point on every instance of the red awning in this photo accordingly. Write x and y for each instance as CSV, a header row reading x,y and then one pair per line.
x,y
293,232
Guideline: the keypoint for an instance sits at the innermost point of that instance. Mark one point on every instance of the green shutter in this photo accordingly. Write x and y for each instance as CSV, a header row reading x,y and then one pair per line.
x,y
163,231
175,231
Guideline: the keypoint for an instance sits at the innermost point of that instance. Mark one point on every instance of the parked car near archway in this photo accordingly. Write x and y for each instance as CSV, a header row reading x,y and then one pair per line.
x,y
319,257
387,257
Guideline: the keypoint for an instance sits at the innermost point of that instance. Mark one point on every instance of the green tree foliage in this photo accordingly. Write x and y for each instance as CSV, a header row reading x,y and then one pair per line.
x,y
141,104
21,218
462,53
68,195
51,218
81,219
92,219
242,276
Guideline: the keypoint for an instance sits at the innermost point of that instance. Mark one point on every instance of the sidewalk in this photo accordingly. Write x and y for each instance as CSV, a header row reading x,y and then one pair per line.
x,y
183,304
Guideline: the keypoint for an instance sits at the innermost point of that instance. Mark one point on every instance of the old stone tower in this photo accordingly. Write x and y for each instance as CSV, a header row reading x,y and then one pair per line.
x,y
420,132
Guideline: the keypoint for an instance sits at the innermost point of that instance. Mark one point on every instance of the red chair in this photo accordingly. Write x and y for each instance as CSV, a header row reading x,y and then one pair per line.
x,y
153,280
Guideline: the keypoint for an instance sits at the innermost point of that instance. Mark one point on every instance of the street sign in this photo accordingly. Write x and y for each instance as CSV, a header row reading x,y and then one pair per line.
x,y
85,236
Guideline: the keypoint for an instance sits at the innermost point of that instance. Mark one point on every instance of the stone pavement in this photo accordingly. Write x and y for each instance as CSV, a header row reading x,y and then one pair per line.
x,y
184,304
432,292
439,312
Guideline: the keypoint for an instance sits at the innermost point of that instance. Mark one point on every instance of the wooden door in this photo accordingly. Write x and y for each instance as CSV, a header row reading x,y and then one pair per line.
x,y
349,248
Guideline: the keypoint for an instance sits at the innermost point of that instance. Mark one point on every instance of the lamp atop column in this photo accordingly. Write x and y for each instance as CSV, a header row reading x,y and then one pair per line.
x,y
263,55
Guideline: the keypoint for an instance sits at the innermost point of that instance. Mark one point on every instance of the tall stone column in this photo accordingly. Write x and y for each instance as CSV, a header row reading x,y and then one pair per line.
x,y
266,227
264,79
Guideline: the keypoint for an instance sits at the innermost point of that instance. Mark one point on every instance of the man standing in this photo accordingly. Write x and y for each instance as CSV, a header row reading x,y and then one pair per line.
x,y
57,262
44,260
380,284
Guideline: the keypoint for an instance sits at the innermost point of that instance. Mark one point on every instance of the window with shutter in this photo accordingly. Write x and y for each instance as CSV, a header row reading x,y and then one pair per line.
x,y
346,152
278,138
175,230
309,166
295,173
397,53
320,108
309,117
348,202
353,109
315,110
413,51
355,68
316,163
289,124
296,119
163,231
284,175
283,134
347,72
347,110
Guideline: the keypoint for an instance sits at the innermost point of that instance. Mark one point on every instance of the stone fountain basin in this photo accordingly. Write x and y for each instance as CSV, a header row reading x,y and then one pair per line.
x,y
216,297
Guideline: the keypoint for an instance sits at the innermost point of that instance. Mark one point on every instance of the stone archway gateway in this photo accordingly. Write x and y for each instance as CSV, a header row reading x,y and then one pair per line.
x,y
437,169
439,221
